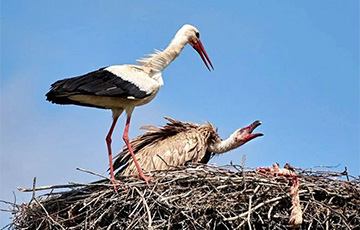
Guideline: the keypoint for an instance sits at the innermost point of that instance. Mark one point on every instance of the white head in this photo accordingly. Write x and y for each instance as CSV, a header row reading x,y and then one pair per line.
x,y
188,31
192,36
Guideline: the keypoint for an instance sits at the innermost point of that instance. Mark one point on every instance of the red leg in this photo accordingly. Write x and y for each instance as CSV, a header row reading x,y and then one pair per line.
x,y
108,142
126,139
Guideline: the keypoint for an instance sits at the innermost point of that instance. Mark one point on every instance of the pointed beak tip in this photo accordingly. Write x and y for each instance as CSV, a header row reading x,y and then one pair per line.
x,y
256,123
255,135
202,52
253,126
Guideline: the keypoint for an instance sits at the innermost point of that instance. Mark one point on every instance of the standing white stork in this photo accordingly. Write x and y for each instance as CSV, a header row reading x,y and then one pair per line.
x,y
123,87
179,143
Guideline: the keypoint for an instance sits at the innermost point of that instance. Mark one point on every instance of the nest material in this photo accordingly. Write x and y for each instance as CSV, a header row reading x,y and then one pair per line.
x,y
199,197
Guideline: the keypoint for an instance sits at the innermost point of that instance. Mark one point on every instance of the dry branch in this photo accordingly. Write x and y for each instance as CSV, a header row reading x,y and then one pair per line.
x,y
198,197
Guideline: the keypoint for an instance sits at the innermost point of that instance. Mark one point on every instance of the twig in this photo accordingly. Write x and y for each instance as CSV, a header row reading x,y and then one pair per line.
x,y
147,208
346,173
21,189
70,185
176,196
249,212
136,207
259,206
46,212
243,168
94,184
93,173
199,197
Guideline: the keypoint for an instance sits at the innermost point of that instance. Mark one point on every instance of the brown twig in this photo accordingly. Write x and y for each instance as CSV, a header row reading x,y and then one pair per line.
x,y
198,197
42,206
146,207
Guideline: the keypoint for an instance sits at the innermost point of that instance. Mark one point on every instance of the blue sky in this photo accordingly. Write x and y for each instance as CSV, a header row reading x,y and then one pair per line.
x,y
293,65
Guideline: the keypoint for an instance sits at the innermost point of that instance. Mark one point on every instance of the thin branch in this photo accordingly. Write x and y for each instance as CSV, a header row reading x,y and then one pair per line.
x,y
195,197
21,189
93,173
42,206
259,206
146,207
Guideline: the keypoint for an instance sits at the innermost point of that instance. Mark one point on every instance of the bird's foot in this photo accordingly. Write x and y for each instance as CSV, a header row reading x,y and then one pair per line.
x,y
116,184
146,179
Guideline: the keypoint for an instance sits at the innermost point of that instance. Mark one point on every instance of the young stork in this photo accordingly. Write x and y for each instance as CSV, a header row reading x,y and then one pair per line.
x,y
123,87
177,144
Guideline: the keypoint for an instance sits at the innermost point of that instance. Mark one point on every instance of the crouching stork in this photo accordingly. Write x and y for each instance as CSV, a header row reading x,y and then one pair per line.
x,y
177,144
123,87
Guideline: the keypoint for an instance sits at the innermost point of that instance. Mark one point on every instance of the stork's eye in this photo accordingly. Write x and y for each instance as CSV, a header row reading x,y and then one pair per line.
x,y
197,35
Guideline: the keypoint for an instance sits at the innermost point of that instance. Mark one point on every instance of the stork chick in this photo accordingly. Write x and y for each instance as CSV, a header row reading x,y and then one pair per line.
x,y
179,143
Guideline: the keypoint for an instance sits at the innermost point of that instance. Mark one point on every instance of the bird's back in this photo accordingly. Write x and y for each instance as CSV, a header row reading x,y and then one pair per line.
x,y
106,88
175,144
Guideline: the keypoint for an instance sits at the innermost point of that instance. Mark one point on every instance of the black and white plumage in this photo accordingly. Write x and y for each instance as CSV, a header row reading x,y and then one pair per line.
x,y
105,89
123,87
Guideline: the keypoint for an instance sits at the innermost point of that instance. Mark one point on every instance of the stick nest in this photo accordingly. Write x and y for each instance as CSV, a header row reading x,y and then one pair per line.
x,y
198,197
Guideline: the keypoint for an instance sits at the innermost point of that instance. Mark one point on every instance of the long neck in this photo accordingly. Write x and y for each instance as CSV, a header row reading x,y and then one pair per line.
x,y
225,145
161,59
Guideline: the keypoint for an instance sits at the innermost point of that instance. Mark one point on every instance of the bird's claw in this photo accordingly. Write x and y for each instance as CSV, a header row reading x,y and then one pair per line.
x,y
146,179
115,183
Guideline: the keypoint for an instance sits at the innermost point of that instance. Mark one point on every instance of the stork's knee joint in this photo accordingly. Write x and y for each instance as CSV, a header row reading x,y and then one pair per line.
x,y
108,139
126,138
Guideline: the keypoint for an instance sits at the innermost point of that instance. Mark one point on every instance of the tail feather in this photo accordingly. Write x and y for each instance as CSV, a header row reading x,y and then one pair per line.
x,y
57,94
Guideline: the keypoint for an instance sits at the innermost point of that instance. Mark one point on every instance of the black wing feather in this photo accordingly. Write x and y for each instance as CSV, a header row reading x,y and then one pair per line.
x,y
99,83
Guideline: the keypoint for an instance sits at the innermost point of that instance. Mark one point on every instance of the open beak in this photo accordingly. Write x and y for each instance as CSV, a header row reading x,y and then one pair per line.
x,y
251,128
201,50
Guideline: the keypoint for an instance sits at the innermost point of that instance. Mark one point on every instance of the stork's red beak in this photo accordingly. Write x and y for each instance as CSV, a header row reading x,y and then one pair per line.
x,y
251,128
201,50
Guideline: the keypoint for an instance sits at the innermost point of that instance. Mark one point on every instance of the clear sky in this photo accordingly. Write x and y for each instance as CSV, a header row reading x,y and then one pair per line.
x,y
292,64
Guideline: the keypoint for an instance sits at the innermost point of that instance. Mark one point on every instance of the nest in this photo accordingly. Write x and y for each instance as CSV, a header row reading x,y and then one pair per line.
x,y
198,197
